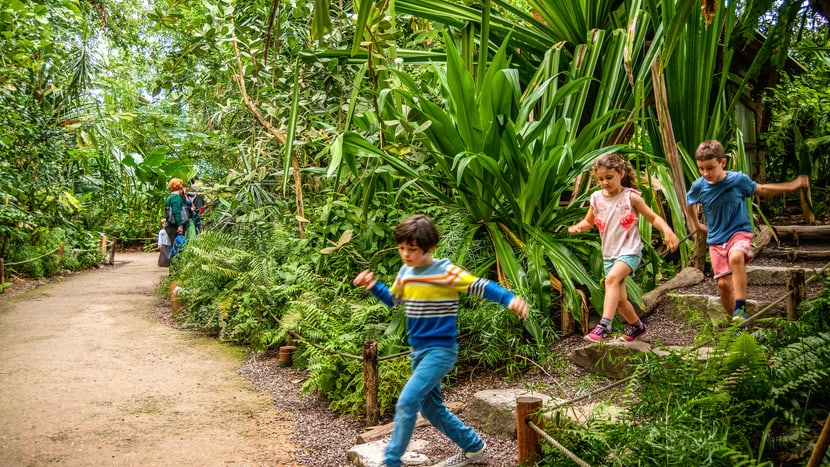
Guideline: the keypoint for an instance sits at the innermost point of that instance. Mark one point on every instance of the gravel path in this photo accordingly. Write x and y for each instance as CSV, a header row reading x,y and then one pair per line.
x,y
91,377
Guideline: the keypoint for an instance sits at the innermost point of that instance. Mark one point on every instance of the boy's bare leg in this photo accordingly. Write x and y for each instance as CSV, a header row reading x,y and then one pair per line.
x,y
727,297
737,263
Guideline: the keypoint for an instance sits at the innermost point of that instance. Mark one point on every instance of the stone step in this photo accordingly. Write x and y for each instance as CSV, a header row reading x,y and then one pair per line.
x,y
611,358
771,275
710,306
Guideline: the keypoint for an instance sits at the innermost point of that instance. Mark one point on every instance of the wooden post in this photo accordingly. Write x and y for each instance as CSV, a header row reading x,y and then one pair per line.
x,y
370,381
112,252
567,321
820,448
2,275
104,244
175,303
797,294
530,449
701,249
60,252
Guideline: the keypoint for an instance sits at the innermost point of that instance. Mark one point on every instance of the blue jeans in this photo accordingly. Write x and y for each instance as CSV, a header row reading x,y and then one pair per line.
x,y
423,393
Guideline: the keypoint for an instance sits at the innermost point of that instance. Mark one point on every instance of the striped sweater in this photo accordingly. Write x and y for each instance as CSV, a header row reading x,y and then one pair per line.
x,y
430,298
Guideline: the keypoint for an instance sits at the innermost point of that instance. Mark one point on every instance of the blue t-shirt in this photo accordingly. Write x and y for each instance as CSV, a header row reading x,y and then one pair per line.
x,y
724,204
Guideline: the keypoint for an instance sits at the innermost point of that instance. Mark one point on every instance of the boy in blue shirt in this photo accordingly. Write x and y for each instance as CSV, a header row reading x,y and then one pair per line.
x,y
723,196
429,290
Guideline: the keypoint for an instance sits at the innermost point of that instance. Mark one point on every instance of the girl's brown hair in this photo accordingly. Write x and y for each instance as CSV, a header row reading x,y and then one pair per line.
x,y
615,162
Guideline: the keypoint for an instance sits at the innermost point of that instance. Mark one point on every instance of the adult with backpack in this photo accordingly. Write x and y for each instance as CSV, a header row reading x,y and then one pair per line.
x,y
197,203
176,209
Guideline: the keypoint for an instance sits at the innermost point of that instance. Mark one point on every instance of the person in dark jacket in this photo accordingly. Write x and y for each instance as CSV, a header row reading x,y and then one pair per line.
x,y
175,201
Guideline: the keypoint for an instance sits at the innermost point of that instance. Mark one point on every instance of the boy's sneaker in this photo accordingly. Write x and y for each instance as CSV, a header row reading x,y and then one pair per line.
x,y
467,457
739,316
633,332
598,334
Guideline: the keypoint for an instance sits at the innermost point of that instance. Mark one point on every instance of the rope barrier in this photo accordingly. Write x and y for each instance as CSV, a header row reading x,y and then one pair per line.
x,y
74,250
314,344
33,259
759,314
556,444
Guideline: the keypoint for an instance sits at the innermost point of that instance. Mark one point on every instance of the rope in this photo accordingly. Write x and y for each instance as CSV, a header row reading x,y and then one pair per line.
x,y
75,250
558,446
759,314
33,259
593,393
313,344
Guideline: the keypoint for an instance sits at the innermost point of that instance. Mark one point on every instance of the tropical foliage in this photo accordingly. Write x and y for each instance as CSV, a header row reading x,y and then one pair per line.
x,y
754,400
317,126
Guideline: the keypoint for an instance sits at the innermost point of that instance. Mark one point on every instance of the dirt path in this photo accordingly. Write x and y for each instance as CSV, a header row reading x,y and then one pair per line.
x,y
89,376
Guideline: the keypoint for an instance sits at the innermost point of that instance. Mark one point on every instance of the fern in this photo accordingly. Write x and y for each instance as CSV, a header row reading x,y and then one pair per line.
x,y
802,367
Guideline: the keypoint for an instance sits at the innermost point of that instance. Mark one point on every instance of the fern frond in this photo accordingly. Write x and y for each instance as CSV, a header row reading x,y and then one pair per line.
x,y
802,367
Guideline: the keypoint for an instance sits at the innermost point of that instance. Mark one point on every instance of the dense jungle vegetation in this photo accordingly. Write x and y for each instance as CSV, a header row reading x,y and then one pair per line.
x,y
315,127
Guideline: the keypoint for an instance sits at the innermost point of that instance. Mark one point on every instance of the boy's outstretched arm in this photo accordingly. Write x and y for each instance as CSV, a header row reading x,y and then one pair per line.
x,y
519,307
773,189
365,279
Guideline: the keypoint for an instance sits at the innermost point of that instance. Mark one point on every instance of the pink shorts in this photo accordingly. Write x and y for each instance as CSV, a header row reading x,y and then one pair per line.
x,y
719,254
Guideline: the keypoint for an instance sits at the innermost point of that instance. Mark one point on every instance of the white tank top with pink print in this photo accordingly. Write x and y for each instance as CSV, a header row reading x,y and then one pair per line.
x,y
617,222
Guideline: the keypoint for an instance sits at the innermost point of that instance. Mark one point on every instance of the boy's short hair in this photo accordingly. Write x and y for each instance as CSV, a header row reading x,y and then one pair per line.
x,y
709,149
418,230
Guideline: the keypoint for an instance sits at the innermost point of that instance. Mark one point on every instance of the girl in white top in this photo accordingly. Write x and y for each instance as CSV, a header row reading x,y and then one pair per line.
x,y
615,210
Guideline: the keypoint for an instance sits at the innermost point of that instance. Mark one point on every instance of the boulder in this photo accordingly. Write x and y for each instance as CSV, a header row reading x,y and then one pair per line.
x,y
609,358
493,411
371,454
770,275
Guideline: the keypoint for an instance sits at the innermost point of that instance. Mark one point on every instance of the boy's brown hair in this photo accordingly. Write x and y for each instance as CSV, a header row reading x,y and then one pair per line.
x,y
709,149
418,230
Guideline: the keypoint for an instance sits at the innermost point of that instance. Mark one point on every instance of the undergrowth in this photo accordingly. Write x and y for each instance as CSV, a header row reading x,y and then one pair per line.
x,y
284,291
757,398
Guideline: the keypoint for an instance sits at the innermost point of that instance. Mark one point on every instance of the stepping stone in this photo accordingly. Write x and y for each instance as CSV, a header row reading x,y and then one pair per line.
x,y
371,454
610,358
770,275
711,307
493,411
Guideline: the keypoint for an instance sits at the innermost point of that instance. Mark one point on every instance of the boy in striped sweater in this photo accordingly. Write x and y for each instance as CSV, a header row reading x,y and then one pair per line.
x,y
429,288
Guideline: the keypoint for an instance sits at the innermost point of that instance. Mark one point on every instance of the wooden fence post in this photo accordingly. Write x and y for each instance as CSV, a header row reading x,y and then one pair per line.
x,y
797,294
530,448
370,381
112,252
175,303
104,244
820,448
701,248
2,275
